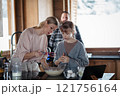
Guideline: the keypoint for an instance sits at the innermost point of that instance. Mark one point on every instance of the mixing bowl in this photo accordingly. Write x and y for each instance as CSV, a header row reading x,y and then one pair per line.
x,y
55,71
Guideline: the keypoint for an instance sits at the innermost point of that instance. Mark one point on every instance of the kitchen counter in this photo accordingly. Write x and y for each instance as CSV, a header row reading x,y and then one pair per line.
x,y
44,76
97,57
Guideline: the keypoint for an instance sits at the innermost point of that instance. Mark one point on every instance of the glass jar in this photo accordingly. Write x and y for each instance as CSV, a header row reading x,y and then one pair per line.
x,y
16,69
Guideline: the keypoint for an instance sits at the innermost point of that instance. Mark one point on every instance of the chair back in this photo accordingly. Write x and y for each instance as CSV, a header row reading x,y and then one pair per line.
x,y
12,44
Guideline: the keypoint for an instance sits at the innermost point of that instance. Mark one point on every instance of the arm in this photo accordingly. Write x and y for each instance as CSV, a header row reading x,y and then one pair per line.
x,y
44,63
33,54
60,55
29,55
24,52
23,45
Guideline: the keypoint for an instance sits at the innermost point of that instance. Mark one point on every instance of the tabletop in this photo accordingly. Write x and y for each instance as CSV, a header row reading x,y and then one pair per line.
x,y
44,76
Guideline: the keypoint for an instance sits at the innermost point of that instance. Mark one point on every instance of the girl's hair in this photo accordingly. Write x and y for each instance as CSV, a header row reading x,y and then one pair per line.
x,y
50,20
68,25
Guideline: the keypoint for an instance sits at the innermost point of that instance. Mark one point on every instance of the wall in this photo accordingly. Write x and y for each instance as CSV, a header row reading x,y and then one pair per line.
x,y
30,14
36,11
57,8
45,9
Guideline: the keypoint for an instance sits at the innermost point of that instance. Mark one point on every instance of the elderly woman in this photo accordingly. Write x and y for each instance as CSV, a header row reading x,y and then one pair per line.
x,y
33,44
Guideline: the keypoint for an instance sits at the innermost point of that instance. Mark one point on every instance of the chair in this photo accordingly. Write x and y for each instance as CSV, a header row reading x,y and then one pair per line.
x,y
18,32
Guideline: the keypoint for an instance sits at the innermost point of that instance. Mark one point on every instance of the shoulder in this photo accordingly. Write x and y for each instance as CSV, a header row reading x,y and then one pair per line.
x,y
79,43
61,44
27,32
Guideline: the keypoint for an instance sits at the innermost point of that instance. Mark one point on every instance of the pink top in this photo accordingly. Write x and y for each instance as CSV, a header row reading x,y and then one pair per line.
x,y
30,41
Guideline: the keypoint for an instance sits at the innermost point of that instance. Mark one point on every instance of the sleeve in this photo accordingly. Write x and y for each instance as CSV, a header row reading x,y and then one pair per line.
x,y
77,35
81,60
45,47
23,45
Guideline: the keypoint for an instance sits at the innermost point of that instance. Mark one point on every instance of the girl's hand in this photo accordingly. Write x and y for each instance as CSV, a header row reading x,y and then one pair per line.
x,y
64,59
57,62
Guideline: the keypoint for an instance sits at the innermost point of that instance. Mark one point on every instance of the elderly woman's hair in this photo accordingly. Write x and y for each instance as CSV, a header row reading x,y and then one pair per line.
x,y
50,20
67,25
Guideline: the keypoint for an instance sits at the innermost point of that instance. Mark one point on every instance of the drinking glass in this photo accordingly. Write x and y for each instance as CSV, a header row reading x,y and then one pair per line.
x,y
16,70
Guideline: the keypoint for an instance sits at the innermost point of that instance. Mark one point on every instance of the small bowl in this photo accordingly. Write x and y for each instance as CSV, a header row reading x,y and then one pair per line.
x,y
55,71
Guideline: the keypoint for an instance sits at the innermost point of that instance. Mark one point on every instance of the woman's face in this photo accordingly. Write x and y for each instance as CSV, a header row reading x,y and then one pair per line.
x,y
50,28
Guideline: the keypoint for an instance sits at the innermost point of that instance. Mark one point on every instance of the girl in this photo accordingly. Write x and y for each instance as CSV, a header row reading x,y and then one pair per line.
x,y
70,51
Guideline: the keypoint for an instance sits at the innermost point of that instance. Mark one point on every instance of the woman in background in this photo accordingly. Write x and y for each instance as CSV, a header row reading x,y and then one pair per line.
x,y
70,51
33,44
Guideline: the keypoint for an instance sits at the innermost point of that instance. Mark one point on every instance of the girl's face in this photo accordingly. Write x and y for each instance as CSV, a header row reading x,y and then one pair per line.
x,y
50,28
67,35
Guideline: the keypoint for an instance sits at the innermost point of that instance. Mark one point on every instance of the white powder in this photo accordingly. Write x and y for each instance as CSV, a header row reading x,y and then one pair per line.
x,y
54,72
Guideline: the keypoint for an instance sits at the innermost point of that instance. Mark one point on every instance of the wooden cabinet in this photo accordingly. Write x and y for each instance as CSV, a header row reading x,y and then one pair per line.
x,y
118,69
112,66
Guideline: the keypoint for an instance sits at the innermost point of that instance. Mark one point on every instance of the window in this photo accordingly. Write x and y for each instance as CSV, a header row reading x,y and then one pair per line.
x,y
6,23
98,22
4,41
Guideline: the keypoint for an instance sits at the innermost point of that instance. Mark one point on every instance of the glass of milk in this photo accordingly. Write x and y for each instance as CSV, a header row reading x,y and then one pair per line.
x,y
16,69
